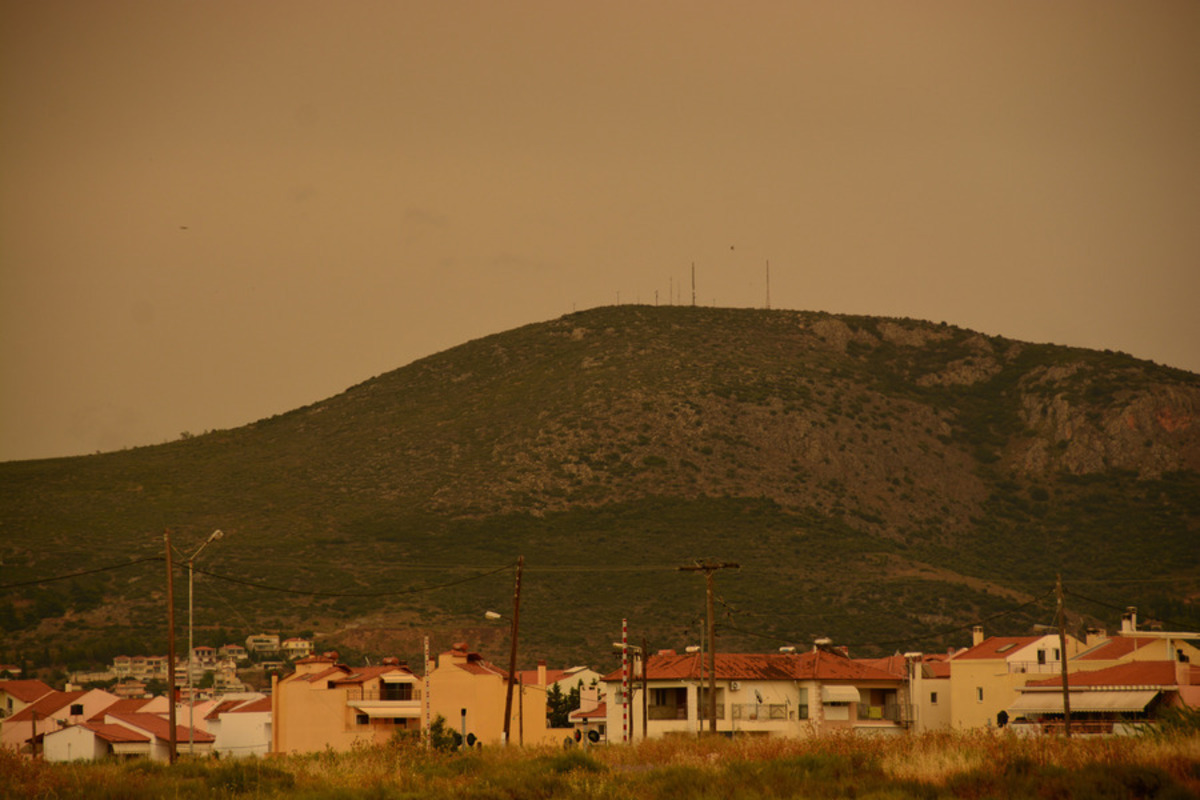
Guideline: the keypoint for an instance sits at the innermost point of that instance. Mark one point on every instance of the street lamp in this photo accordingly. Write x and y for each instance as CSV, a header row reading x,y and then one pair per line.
x,y
212,537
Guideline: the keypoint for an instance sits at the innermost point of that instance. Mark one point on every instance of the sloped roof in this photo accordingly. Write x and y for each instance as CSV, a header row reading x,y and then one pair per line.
x,y
241,705
161,728
817,665
116,734
25,690
599,712
997,647
46,706
252,706
1134,673
1115,648
125,706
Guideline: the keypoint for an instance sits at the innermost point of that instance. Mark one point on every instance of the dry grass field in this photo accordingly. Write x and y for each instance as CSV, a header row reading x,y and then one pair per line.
x,y
979,765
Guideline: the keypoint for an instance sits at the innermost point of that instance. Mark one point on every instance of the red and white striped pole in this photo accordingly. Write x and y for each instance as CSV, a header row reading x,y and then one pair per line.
x,y
624,680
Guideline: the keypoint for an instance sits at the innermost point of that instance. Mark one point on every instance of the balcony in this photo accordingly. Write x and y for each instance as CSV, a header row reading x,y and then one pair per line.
x,y
759,712
394,693
667,712
891,712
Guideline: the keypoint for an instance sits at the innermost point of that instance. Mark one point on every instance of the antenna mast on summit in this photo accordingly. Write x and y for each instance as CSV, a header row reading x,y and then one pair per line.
x,y
768,284
693,283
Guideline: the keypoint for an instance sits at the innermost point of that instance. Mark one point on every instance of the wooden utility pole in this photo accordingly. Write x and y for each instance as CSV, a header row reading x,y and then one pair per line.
x,y
512,658
170,650
1062,655
708,568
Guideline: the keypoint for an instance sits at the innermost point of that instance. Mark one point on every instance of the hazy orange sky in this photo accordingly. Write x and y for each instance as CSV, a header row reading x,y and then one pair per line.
x,y
213,211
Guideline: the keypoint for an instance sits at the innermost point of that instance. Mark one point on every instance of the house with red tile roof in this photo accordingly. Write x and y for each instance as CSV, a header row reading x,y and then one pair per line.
x,y
771,694
24,729
1130,647
158,730
986,678
1116,699
16,694
241,725
93,741
327,704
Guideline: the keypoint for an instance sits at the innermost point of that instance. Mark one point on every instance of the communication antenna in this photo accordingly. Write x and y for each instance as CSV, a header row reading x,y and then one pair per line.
x,y
693,284
768,284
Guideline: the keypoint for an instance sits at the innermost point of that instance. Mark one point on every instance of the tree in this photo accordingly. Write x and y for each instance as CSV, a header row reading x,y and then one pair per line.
x,y
559,706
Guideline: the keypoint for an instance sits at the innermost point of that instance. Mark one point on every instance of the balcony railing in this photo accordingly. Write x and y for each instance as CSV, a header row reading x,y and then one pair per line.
x,y
761,712
358,694
1035,667
667,712
892,712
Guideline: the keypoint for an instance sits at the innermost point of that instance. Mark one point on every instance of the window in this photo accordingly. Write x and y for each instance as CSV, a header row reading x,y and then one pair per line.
x,y
77,709
1041,656
802,704
933,698
362,719
396,691
979,694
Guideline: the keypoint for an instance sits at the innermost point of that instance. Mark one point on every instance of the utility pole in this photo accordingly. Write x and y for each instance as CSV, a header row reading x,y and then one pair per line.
x,y
645,689
512,658
170,650
708,568
1062,654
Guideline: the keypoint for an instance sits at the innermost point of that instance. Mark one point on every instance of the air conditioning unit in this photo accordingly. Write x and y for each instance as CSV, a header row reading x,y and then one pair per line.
x,y
734,686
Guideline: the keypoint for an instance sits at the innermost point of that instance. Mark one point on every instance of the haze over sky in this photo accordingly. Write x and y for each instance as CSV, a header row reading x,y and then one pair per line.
x,y
213,211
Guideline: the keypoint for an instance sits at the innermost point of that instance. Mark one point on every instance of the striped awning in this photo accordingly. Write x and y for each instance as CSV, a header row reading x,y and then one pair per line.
x,y
1112,700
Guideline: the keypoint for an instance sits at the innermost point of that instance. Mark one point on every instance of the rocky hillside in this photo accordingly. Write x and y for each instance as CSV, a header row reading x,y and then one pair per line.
x,y
879,480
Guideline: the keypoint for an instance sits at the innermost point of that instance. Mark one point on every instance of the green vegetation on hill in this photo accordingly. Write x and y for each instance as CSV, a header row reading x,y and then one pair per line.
x,y
884,482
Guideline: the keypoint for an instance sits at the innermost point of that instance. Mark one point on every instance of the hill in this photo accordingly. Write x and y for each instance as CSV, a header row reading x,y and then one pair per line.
x,y
880,481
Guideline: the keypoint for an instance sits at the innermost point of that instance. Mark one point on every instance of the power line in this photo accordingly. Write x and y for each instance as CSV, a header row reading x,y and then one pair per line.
x,y
81,573
392,593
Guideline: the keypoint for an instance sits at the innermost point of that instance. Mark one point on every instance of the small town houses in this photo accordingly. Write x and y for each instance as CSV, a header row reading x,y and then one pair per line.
x,y
1117,684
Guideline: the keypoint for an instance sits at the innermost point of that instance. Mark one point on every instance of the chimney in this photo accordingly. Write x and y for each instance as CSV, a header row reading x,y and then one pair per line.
x,y
541,672
1129,620
976,636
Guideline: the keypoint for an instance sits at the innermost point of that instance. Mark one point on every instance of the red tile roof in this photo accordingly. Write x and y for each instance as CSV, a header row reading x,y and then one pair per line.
x,y
26,691
1115,648
991,647
599,712
818,665
261,704
161,728
1134,673
46,706
126,706
115,733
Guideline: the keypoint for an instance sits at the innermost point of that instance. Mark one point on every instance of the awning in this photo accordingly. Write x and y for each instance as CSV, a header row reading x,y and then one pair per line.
x,y
839,694
1052,702
397,677
382,711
